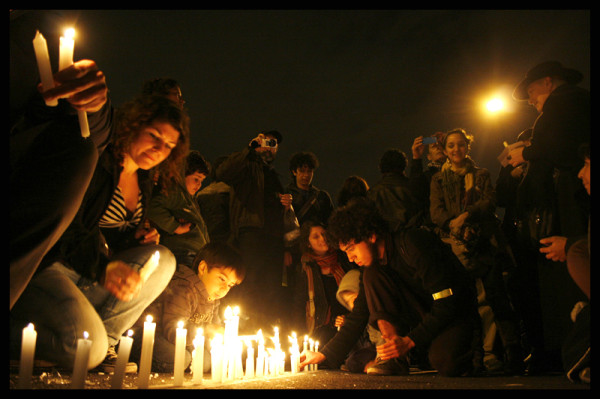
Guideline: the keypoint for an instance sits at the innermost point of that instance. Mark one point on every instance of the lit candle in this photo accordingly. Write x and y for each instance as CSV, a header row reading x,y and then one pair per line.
x,y
43,62
146,356
27,355
80,366
122,359
150,266
180,338
249,359
216,356
304,348
312,349
198,357
260,358
65,59
316,366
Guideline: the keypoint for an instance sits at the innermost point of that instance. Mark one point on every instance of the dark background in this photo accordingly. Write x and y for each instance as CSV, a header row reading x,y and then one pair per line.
x,y
345,84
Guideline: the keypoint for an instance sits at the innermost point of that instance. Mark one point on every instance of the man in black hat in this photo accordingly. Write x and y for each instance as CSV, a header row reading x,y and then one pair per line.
x,y
553,201
562,126
256,220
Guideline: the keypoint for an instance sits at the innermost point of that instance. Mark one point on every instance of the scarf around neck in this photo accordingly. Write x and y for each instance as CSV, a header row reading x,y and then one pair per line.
x,y
329,260
461,178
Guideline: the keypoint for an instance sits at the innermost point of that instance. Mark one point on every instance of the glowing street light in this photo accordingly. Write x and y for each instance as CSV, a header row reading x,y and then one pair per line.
x,y
494,105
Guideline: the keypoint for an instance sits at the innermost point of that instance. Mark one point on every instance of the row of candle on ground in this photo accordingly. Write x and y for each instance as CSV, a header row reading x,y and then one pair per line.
x,y
226,355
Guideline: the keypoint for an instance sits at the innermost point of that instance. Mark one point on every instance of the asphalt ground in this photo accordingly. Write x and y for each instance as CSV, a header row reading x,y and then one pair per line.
x,y
314,380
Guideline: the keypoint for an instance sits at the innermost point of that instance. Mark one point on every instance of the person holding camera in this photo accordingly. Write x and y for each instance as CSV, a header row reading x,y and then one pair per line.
x,y
462,205
256,212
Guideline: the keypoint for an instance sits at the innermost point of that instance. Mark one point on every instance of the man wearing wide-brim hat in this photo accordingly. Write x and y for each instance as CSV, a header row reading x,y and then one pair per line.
x,y
551,188
562,126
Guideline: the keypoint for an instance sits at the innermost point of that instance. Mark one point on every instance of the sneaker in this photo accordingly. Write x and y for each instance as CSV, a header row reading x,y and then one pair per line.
x,y
110,361
394,366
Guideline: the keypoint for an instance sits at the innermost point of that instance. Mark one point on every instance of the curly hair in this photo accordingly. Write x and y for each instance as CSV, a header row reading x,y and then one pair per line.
x,y
305,230
301,159
468,137
357,221
142,111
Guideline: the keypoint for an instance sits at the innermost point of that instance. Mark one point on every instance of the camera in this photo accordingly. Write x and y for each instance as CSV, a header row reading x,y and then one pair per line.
x,y
265,143
429,140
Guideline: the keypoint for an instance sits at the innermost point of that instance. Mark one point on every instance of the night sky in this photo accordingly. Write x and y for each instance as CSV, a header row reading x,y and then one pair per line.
x,y
346,85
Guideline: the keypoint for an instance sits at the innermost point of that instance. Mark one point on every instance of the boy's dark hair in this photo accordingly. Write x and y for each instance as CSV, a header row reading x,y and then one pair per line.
x,y
392,161
300,159
356,221
220,254
195,162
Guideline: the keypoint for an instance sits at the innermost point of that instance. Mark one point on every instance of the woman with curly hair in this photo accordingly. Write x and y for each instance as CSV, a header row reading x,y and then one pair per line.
x,y
92,275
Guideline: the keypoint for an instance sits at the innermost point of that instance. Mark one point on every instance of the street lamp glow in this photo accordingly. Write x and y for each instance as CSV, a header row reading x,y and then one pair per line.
x,y
495,105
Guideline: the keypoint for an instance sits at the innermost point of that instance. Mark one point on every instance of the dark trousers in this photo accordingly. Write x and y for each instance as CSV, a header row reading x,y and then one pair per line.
x,y
453,351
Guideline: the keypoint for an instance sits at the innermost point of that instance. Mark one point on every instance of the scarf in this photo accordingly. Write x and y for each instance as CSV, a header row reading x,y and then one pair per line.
x,y
452,181
329,260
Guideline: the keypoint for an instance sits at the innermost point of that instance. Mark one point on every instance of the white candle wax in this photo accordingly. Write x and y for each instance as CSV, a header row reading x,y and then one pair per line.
x,y
27,356
65,60
80,366
43,62
216,355
198,358
260,358
180,342
316,366
249,360
150,266
122,359
67,45
146,356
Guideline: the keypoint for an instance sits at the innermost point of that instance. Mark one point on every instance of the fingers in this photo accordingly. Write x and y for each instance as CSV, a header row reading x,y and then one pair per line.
x,y
122,281
82,84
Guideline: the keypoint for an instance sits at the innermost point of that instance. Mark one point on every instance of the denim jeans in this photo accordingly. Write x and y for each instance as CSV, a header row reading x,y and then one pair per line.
x,y
61,304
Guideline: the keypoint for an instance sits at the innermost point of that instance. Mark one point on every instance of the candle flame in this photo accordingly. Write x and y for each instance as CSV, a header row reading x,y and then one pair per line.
x,y
86,335
200,331
30,326
149,319
180,324
236,311
69,33
129,333
228,312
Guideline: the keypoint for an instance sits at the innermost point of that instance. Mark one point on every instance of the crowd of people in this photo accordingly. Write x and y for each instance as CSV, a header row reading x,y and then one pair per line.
x,y
413,271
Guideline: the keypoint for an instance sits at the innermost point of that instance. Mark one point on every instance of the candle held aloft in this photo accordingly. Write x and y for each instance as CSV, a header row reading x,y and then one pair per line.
x,y
43,62
146,356
27,355
125,344
65,60
180,342
80,366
